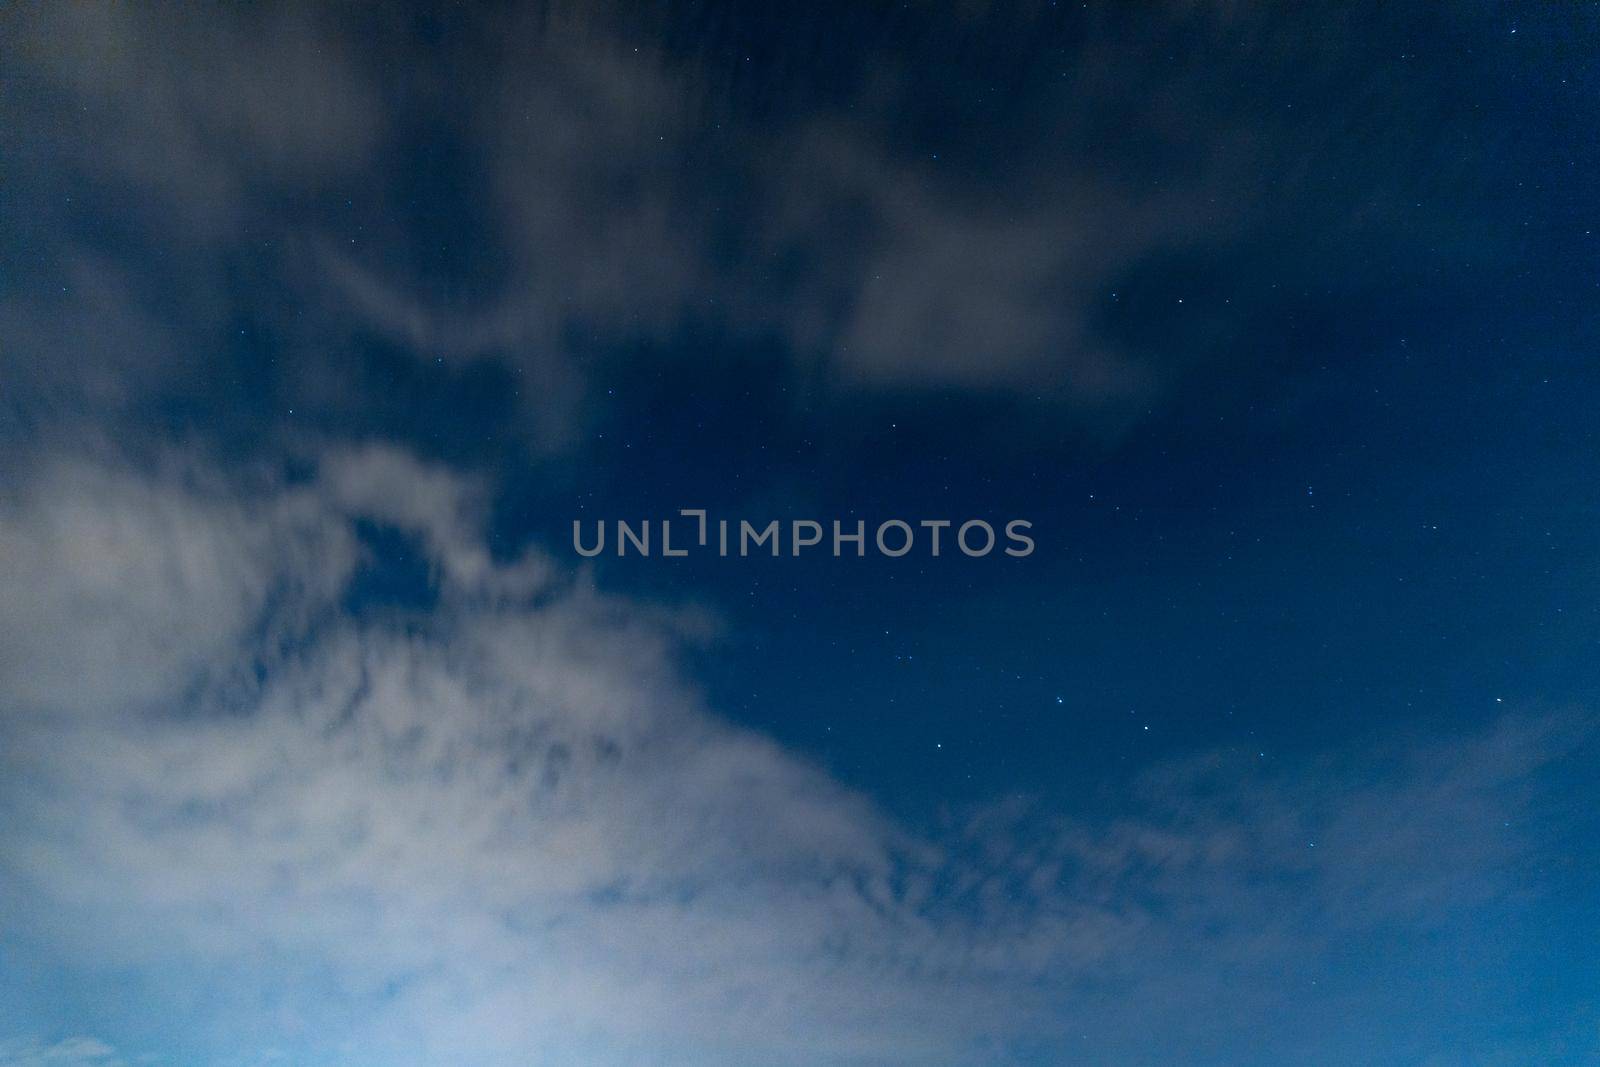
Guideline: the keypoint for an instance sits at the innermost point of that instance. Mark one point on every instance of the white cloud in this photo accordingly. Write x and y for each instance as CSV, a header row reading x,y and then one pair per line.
x,y
121,589
70,1052
511,832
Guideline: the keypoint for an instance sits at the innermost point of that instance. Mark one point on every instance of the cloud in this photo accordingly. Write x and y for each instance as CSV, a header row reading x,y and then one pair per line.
x,y
85,347
628,206
507,829
939,291
894,235
203,113
153,148
597,181
123,589
70,1052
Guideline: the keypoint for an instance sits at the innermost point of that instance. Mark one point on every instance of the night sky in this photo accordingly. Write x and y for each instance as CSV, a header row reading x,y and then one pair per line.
x,y
321,326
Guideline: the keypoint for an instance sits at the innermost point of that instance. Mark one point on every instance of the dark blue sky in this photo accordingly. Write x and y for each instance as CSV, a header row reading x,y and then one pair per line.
x,y
319,327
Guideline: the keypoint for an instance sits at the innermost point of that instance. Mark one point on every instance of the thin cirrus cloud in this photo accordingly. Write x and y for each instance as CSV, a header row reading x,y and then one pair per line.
x,y
68,1052
507,829
199,116
248,817
598,186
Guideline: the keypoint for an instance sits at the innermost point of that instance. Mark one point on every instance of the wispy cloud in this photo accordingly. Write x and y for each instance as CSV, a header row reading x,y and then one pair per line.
x,y
612,189
70,1052
509,829
202,115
